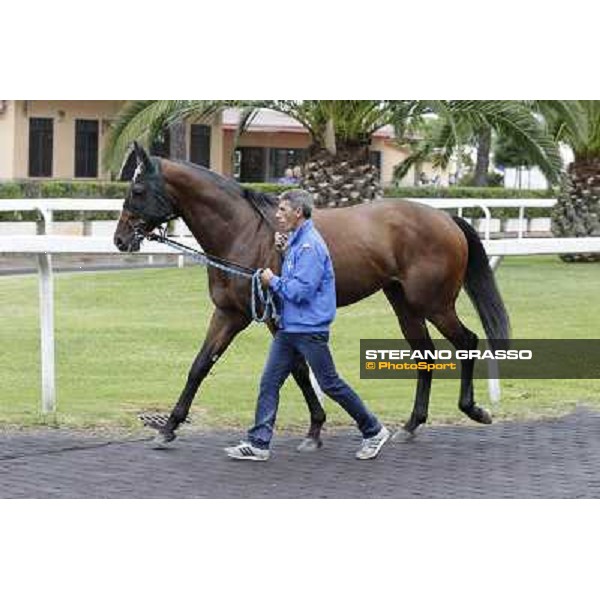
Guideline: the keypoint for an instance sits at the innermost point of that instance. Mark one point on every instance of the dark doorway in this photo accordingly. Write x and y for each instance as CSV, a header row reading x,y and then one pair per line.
x,y
200,145
253,164
86,148
41,136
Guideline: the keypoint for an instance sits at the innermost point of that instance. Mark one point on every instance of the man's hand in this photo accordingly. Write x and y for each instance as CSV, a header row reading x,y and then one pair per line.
x,y
280,242
265,277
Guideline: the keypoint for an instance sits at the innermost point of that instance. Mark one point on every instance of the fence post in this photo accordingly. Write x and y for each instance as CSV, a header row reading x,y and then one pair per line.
x,y
46,286
494,390
46,290
521,221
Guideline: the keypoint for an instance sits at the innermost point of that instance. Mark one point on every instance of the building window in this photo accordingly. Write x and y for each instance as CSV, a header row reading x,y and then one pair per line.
x,y
200,145
253,163
237,164
41,134
256,164
86,148
375,159
281,159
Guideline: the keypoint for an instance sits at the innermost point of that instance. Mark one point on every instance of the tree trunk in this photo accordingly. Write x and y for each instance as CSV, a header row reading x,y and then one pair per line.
x,y
484,146
577,212
177,145
341,180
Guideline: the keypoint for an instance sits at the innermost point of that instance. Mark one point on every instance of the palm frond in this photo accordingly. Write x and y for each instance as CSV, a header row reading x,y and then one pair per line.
x,y
460,119
357,120
515,120
418,156
136,121
588,146
565,119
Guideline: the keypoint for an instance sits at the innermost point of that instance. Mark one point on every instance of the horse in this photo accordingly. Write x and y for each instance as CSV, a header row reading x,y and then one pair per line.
x,y
419,256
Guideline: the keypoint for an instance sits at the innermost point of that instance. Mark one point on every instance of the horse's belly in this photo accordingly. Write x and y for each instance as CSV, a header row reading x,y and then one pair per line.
x,y
358,278
353,290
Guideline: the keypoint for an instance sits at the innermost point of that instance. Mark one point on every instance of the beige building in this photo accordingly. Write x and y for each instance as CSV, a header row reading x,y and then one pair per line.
x,y
63,139
60,139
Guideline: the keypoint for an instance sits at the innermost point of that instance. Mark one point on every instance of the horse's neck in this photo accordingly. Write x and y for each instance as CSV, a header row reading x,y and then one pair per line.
x,y
213,224
214,216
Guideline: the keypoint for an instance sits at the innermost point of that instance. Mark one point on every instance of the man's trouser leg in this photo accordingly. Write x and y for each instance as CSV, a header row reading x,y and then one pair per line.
x,y
280,362
315,349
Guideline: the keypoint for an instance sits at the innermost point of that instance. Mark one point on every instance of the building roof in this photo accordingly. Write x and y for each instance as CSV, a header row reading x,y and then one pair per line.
x,y
271,120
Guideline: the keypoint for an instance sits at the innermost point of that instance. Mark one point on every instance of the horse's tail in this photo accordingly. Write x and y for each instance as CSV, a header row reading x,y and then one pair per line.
x,y
481,288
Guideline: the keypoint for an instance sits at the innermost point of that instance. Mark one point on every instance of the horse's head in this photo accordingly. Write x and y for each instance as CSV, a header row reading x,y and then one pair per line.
x,y
147,204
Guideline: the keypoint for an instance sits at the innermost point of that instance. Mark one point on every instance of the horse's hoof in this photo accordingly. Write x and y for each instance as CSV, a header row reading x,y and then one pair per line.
x,y
163,440
309,444
404,435
481,415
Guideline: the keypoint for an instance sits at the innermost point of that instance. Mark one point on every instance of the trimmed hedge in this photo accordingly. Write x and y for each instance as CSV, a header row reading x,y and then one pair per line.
x,y
61,189
84,189
112,189
117,189
269,188
465,192
478,192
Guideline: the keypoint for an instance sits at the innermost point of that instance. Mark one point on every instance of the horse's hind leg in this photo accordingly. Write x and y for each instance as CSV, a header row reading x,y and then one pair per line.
x,y
415,331
317,414
462,338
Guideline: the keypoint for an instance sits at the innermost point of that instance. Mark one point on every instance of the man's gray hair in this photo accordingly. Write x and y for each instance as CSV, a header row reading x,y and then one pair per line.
x,y
299,199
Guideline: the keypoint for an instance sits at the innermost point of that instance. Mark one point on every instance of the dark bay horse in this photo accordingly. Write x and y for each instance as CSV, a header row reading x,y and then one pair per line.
x,y
418,256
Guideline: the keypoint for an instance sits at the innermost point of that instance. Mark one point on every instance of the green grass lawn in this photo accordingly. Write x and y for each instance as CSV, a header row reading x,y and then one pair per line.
x,y
125,341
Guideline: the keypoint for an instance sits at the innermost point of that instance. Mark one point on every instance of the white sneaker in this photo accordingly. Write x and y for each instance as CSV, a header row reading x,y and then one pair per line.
x,y
371,446
246,451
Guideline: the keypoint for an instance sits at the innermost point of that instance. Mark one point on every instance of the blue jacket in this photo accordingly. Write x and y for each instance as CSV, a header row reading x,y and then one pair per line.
x,y
306,287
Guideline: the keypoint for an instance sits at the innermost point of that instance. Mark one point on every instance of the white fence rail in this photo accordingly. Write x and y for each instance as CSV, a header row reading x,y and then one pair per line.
x,y
42,247
487,205
70,244
47,206
75,244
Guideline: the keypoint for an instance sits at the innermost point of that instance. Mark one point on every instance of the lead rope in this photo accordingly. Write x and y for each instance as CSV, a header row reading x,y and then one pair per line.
x,y
265,297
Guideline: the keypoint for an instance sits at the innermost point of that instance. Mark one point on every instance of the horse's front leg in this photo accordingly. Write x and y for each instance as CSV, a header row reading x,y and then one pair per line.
x,y
224,326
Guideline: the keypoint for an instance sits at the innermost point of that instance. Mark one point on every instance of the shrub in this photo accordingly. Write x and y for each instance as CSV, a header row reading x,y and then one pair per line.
x,y
83,189
60,189
465,192
109,189
269,188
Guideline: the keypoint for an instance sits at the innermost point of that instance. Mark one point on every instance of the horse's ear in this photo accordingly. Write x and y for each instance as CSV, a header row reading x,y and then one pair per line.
x,y
142,157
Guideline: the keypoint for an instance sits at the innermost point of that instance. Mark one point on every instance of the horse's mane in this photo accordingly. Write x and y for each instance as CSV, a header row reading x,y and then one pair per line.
x,y
268,200
260,199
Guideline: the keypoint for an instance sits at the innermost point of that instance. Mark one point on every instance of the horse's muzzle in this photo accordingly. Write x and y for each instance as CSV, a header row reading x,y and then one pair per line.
x,y
131,245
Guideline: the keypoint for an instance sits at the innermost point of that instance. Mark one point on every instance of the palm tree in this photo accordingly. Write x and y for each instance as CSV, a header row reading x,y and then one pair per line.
x,y
530,124
577,212
509,154
337,170
482,163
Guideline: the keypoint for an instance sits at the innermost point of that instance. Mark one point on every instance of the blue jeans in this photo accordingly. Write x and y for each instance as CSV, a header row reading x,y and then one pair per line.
x,y
286,349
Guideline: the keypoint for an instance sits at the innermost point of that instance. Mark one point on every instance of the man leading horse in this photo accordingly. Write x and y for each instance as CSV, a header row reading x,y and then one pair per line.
x,y
306,291
418,256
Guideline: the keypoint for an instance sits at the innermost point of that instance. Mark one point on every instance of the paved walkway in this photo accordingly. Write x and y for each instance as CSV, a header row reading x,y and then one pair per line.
x,y
539,459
